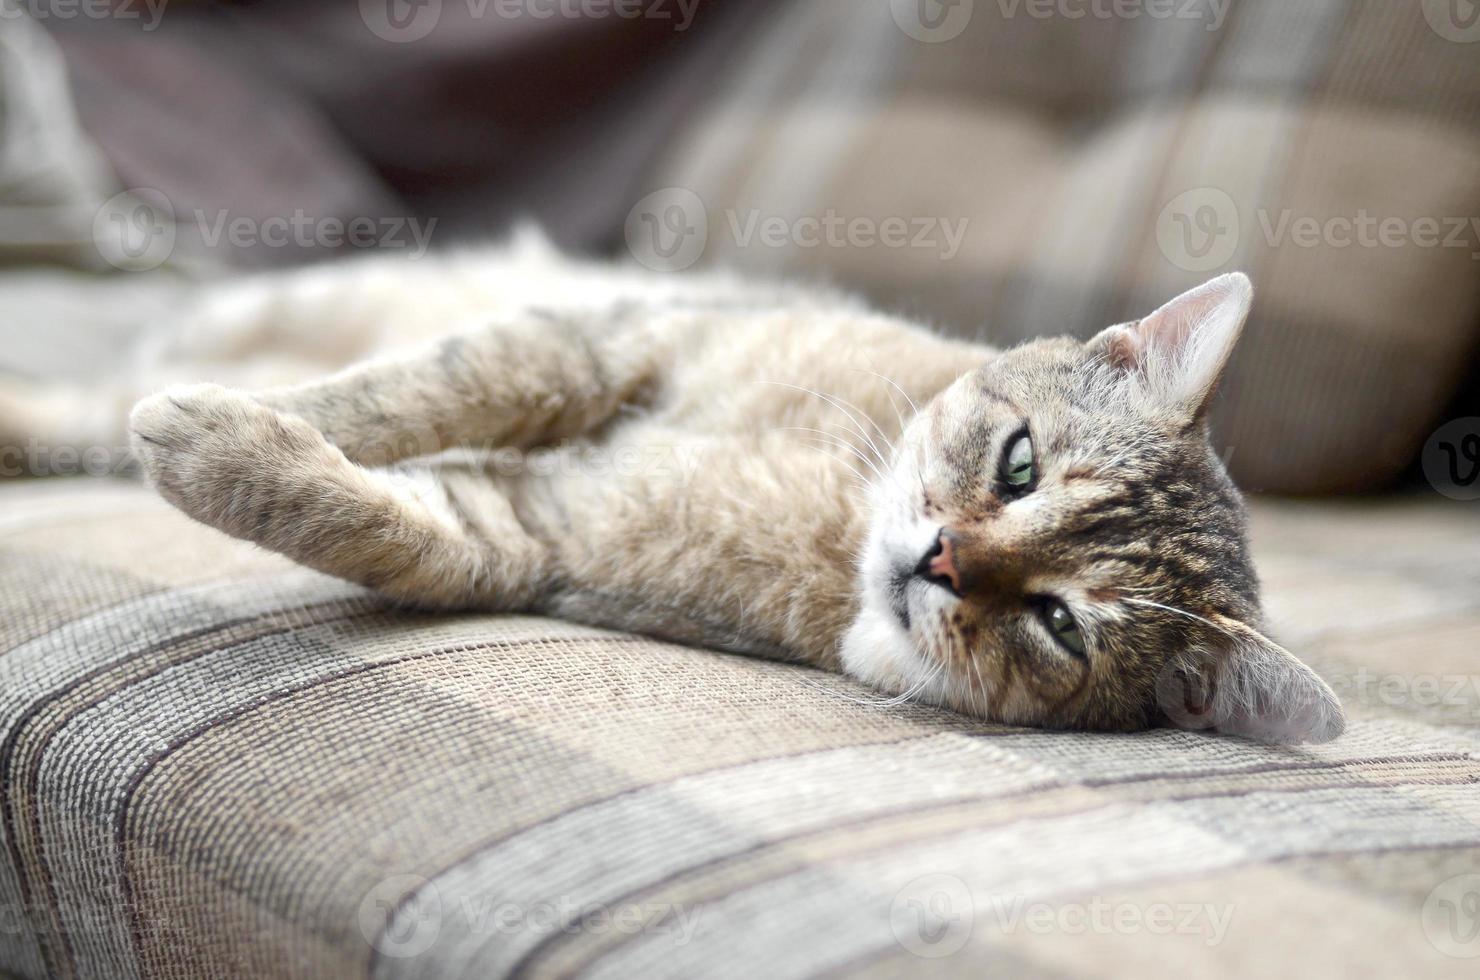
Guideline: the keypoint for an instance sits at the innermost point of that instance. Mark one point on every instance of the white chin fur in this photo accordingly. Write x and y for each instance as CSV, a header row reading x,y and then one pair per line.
x,y
877,651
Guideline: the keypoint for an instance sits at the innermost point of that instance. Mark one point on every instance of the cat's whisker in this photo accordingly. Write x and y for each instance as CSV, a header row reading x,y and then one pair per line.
x,y
1179,612
836,403
865,701
854,699
913,407
924,682
832,439
920,473
859,483
849,408
827,447
888,441
899,699
898,415
981,685
840,444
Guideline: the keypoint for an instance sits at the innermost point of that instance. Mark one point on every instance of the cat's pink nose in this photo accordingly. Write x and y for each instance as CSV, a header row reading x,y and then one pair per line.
x,y
939,563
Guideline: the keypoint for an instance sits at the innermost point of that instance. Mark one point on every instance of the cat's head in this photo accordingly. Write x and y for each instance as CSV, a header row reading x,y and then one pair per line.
x,y
1057,544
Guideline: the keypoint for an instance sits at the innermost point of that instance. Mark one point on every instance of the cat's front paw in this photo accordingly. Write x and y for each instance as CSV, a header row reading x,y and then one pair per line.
x,y
217,454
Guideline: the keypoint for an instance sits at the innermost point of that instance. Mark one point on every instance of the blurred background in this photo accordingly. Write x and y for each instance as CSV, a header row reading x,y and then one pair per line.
x,y
998,168
212,764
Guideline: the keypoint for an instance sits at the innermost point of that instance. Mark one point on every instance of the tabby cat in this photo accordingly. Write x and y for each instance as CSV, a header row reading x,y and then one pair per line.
x,y
1038,536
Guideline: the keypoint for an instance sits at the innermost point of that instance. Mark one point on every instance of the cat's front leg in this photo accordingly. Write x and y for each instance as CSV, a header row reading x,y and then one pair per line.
x,y
270,478
531,380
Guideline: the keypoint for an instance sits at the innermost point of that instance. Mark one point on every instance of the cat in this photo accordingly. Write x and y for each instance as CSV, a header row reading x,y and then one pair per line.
x,y
1040,536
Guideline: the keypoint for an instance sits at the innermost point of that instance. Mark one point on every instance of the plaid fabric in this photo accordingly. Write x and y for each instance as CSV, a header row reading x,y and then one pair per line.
x,y
1104,162
215,764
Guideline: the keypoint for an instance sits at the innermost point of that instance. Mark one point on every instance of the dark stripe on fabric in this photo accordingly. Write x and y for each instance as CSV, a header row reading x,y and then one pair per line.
x,y
75,613
8,750
871,954
1256,769
528,966
485,846
121,817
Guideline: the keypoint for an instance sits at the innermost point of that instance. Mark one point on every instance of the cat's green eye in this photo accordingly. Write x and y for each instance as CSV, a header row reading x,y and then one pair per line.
x,y
1019,471
1061,624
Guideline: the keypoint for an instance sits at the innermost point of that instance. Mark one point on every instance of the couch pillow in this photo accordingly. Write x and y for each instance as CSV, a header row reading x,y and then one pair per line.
x,y
1037,172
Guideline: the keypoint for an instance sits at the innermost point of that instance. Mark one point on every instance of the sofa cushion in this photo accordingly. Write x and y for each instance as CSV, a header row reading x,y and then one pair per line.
x,y
213,763
1089,167
52,178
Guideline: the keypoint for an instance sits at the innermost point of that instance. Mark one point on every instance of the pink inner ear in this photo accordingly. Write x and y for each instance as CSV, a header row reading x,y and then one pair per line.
x,y
1182,348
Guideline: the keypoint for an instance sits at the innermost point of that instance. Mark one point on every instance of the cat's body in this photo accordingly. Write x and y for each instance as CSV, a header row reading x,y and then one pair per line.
x,y
764,469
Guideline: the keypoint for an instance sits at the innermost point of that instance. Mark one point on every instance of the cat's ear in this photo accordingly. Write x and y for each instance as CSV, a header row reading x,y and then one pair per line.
x,y
1178,353
1249,685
